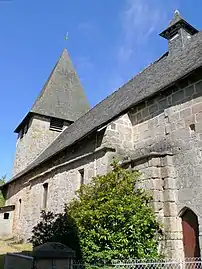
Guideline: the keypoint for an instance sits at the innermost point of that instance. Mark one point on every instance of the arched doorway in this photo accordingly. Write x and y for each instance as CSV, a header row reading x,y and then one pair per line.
x,y
190,234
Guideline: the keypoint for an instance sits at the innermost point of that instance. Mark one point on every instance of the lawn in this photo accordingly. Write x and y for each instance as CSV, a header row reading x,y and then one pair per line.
x,y
11,246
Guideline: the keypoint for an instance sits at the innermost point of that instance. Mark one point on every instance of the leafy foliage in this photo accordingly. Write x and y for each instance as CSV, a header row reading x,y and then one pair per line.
x,y
114,219
110,218
2,200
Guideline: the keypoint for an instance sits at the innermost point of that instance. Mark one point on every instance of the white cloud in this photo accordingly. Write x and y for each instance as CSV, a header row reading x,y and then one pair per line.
x,y
141,22
84,63
115,81
140,19
87,28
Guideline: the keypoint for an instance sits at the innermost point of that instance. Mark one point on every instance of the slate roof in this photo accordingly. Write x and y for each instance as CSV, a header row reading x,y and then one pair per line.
x,y
158,76
62,95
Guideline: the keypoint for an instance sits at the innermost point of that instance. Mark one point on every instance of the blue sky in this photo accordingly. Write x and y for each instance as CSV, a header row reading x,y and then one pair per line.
x,y
109,42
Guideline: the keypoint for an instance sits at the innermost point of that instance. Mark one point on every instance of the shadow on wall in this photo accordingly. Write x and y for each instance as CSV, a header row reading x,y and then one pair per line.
x,y
57,228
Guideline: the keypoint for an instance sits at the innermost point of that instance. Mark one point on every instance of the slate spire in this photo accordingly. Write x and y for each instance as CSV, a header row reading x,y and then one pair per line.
x,y
62,96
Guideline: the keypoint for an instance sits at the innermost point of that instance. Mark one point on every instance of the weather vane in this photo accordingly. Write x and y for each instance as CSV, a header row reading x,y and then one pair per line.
x,y
66,36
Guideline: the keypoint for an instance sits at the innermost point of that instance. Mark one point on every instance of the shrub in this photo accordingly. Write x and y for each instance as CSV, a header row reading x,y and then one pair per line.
x,y
110,219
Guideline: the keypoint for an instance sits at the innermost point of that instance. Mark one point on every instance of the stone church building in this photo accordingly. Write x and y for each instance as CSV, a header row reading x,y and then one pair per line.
x,y
153,123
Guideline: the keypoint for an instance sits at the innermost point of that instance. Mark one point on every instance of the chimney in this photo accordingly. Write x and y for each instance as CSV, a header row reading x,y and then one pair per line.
x,y
178,33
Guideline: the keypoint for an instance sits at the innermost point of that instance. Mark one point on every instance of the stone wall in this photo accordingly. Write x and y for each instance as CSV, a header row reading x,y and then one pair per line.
x,y
6,224
171,121
119,133
168,125
63,177
37,138
159,179
93,155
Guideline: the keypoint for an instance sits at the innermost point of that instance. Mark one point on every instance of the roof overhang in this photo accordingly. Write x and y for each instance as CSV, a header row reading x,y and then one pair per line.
x,y
172,30
28,117
23,122
7,208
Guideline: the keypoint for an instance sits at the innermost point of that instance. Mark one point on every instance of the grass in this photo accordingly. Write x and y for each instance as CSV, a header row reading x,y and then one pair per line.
x,y
9,245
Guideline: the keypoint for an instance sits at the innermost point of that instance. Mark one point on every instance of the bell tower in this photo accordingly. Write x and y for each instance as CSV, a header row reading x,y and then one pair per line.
x,y
60,102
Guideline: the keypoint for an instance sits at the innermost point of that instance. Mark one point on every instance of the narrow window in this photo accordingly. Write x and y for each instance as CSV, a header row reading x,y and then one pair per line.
x,y
45,195
6,215
81,173
192,127
21,133
20,204
26,128
56,124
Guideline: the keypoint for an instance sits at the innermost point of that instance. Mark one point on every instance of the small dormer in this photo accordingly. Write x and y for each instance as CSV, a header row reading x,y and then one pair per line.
x,y
178,33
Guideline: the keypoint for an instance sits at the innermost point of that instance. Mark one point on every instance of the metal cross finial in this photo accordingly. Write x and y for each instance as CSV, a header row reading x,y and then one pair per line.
x,y
66,36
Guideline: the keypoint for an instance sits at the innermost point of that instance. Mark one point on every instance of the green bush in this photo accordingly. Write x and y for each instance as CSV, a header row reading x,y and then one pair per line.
x,y
114,219
110,218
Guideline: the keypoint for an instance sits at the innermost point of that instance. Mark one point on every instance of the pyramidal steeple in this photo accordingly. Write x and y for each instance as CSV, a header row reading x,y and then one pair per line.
x,y
178,33
60,102
62,96
176,18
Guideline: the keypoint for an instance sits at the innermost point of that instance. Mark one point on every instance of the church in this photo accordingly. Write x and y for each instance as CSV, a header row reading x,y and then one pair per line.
x,y
153,123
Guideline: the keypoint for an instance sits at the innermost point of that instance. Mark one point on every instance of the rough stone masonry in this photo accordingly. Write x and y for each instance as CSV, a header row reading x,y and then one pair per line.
x,y
152,124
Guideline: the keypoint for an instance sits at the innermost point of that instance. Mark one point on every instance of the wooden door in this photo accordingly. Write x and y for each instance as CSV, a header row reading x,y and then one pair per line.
x,y
190,234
